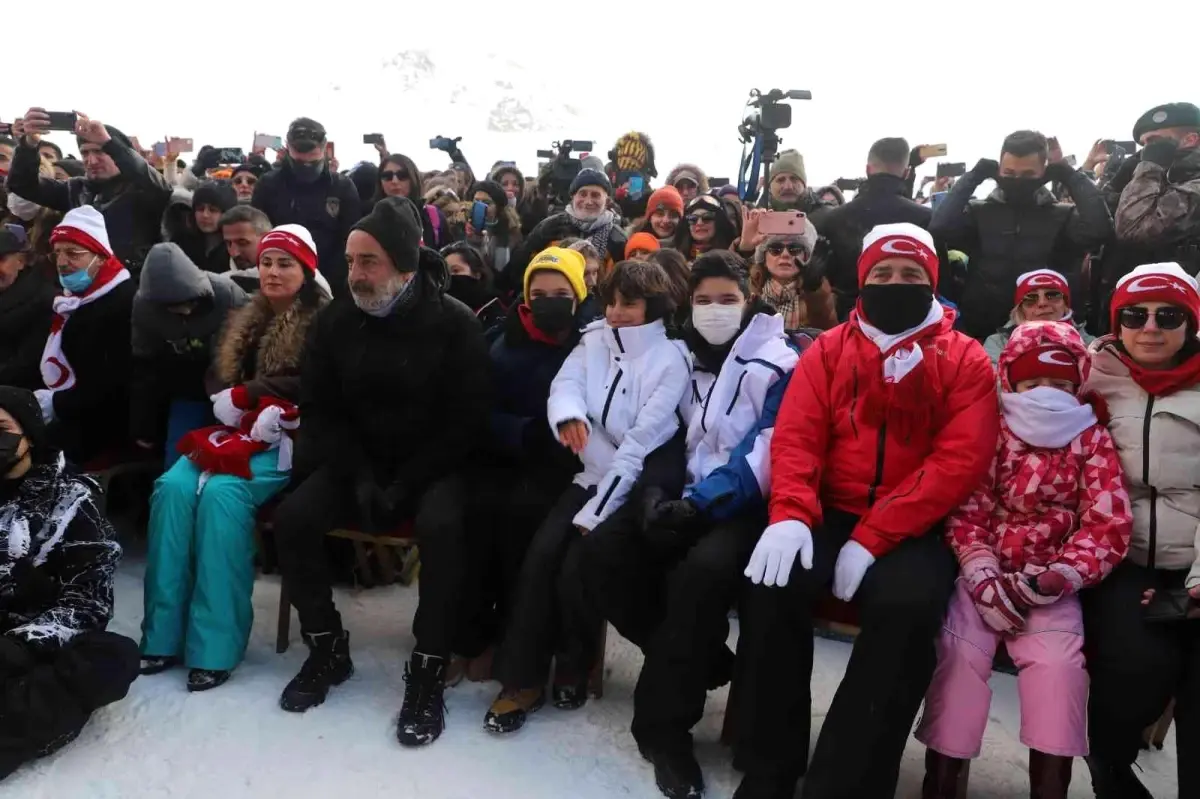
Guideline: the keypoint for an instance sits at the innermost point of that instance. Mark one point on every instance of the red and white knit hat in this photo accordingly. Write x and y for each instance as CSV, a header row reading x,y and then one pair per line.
x,y
295,240
1047,360
899,240
84,226
1043,280
1166,282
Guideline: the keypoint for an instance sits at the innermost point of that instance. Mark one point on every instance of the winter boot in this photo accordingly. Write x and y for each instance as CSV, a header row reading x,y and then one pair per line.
x,y
154,664
570,687
1049,775
423,713
206,679
511,708
945,776
676,771
328,664
1113,781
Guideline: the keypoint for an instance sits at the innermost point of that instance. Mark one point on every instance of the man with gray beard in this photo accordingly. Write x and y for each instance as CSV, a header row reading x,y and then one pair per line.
x,y
395,395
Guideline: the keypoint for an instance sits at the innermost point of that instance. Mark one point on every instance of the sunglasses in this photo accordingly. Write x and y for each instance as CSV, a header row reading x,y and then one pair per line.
x,y
1167,318
390,175
793,249
696,219
245,180
1031,299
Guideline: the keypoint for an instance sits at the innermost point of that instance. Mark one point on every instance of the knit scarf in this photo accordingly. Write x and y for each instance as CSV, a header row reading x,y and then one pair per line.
x,y
784,299
221,449
1160,382
1046,417
57,373
594,230
900,387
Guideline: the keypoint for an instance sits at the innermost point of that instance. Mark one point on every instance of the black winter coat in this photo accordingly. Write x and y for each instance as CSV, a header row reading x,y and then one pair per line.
x,y
25,312
550,230
327,207
882,200
132,203
1003,241
404,398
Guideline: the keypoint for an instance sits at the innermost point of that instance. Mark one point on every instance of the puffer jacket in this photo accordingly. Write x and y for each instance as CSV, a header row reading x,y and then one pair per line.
x,y
827,451
730,418
1039,509
1157,438
624,384
1003,241
995,343
26,308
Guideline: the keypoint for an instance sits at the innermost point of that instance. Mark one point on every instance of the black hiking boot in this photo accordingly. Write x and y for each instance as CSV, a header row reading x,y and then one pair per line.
x,y
676,771
155,664
206,679
423,713
1113,781
328,664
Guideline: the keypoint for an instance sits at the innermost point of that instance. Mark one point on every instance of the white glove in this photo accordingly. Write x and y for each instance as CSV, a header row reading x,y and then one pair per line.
x,y
775,553
852,564
266,427
226,412
45,398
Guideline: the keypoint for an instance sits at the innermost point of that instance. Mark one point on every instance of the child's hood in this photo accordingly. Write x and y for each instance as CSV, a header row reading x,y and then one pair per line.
x,y
1031,335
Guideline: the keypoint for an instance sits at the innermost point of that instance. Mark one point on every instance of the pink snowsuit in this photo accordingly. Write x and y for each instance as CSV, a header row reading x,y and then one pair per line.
x,y
1063,510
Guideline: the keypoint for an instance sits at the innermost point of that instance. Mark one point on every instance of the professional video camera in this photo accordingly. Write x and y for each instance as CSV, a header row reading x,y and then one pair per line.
x,y
765,114
555,177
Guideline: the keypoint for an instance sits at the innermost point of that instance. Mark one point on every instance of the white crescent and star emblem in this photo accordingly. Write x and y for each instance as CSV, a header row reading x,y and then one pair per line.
x,y
1042,280
1056,358
1141,284
889,246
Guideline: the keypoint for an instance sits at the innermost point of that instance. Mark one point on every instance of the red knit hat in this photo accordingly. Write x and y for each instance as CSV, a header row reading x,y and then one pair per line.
x,y
667,197
295,240
898,240
1165,282
641,241
1048,360
1044,280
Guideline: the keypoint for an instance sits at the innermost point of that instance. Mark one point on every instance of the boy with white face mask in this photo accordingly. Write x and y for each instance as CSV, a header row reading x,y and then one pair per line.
x,y
667,584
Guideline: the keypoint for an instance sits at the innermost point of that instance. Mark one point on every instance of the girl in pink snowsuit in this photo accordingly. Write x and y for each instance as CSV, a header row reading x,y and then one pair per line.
x,y
1051,518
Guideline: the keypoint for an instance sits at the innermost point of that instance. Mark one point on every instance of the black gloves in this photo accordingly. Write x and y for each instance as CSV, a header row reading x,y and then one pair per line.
x,y
986,168
668,525
1059,172
1161,152
813,273
677,513
208,158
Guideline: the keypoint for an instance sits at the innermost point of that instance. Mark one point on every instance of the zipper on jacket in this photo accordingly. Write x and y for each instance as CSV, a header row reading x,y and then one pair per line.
x,y
704,409
617,337
608,400
607,495
878,465
854,400
736,393
696,392
1146,480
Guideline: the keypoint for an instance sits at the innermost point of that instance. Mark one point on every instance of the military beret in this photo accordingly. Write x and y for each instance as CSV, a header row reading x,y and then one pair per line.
x,y
1170,115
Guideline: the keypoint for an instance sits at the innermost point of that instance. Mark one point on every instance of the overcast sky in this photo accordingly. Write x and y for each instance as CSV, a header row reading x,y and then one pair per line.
x,y
960,73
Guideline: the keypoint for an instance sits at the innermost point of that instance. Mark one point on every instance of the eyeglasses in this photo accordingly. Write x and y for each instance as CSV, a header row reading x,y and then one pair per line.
x,y
245,180
390,175
1135,317
792,249
696,219
1032,298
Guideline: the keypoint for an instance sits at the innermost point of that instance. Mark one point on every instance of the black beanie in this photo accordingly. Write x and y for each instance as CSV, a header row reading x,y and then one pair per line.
x,y
23,407
396,224
591,177
113,133
493,190
71,166
218,193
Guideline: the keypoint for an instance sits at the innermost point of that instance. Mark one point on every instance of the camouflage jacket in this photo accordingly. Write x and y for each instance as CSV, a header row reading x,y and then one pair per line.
x,y
1161,206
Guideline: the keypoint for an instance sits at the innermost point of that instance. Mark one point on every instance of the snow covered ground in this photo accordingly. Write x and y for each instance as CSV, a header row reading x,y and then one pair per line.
x,y
235,741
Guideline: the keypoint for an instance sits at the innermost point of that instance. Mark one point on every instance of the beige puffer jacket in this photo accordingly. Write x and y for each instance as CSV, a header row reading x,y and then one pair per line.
x,y
1159,444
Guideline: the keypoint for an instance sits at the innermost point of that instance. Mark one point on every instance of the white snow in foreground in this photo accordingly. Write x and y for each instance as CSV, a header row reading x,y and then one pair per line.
x,y
235,742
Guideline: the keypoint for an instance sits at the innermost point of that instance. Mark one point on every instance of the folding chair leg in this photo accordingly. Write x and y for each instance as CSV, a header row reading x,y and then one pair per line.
x,y
283,635
596,678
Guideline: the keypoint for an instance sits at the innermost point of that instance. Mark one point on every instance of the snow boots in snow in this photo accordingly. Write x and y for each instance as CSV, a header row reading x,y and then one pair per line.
x,y
154,664
423,713
945,776
206,679
1113,781
570,690
511,708
676,771
328,664
1049,775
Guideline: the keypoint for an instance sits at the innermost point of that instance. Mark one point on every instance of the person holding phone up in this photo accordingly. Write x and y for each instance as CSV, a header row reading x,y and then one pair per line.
x,y
1142,624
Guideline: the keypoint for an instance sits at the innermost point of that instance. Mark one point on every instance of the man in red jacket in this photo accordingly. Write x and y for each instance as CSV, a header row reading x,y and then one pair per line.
x,y
889,423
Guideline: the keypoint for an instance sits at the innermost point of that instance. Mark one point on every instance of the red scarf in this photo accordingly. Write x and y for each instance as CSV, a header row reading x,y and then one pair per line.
x,y
1160,382
525,314
227,450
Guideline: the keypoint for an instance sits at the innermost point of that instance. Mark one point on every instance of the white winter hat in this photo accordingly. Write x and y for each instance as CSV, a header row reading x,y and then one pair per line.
x,y
296,241
84,226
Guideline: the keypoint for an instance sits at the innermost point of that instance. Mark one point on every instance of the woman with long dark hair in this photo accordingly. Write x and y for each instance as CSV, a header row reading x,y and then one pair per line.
x,y
399,177
709,224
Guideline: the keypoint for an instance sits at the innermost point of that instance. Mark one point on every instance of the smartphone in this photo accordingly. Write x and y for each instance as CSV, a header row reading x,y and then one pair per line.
x,y
716,183
372,138
1130,147
230,155
62,120
936,198
442,143
848,184
177,145
636,185
479,216
952,170
927,151
5,128
782,223
160,149
330,150
265,141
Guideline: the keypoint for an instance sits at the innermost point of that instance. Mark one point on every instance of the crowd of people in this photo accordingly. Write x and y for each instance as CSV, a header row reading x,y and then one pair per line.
x,y
630,405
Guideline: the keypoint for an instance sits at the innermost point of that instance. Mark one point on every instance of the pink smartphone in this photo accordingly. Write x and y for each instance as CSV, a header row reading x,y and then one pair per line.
x,y
781,223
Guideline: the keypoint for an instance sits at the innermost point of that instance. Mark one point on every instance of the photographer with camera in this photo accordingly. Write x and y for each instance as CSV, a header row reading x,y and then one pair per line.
x,y
587,217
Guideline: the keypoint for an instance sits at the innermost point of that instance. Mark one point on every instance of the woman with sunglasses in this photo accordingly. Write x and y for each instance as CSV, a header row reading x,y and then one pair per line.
x,y
709,224
399,177
1042,295
784,275
1142,624
245,177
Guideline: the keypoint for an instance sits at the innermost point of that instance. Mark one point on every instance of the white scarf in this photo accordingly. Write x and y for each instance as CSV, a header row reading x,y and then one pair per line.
x,y
899,363
57,374
1046,417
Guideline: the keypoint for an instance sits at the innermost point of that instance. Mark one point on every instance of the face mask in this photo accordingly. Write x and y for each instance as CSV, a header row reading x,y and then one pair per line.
x,y
306,171
77,282
895,307
10,443
717,323
553,315
1019,191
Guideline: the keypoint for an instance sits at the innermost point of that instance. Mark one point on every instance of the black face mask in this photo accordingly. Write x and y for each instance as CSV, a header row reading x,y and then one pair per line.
x,y
306,171
469,291
895,307
553,315
10,444
1020,191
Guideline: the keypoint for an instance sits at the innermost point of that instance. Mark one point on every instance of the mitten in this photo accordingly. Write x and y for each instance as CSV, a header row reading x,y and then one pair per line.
x,y
266,427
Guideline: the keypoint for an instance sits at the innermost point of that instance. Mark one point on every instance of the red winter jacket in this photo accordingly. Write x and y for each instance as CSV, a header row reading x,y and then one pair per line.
x,y
830,449
1038,508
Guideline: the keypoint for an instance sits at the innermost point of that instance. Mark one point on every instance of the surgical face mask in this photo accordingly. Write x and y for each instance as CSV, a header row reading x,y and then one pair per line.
x,y
717,324
77,282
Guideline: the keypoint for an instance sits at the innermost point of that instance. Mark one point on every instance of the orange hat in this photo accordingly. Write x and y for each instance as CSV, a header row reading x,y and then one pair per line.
x,y
641,241
667,197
